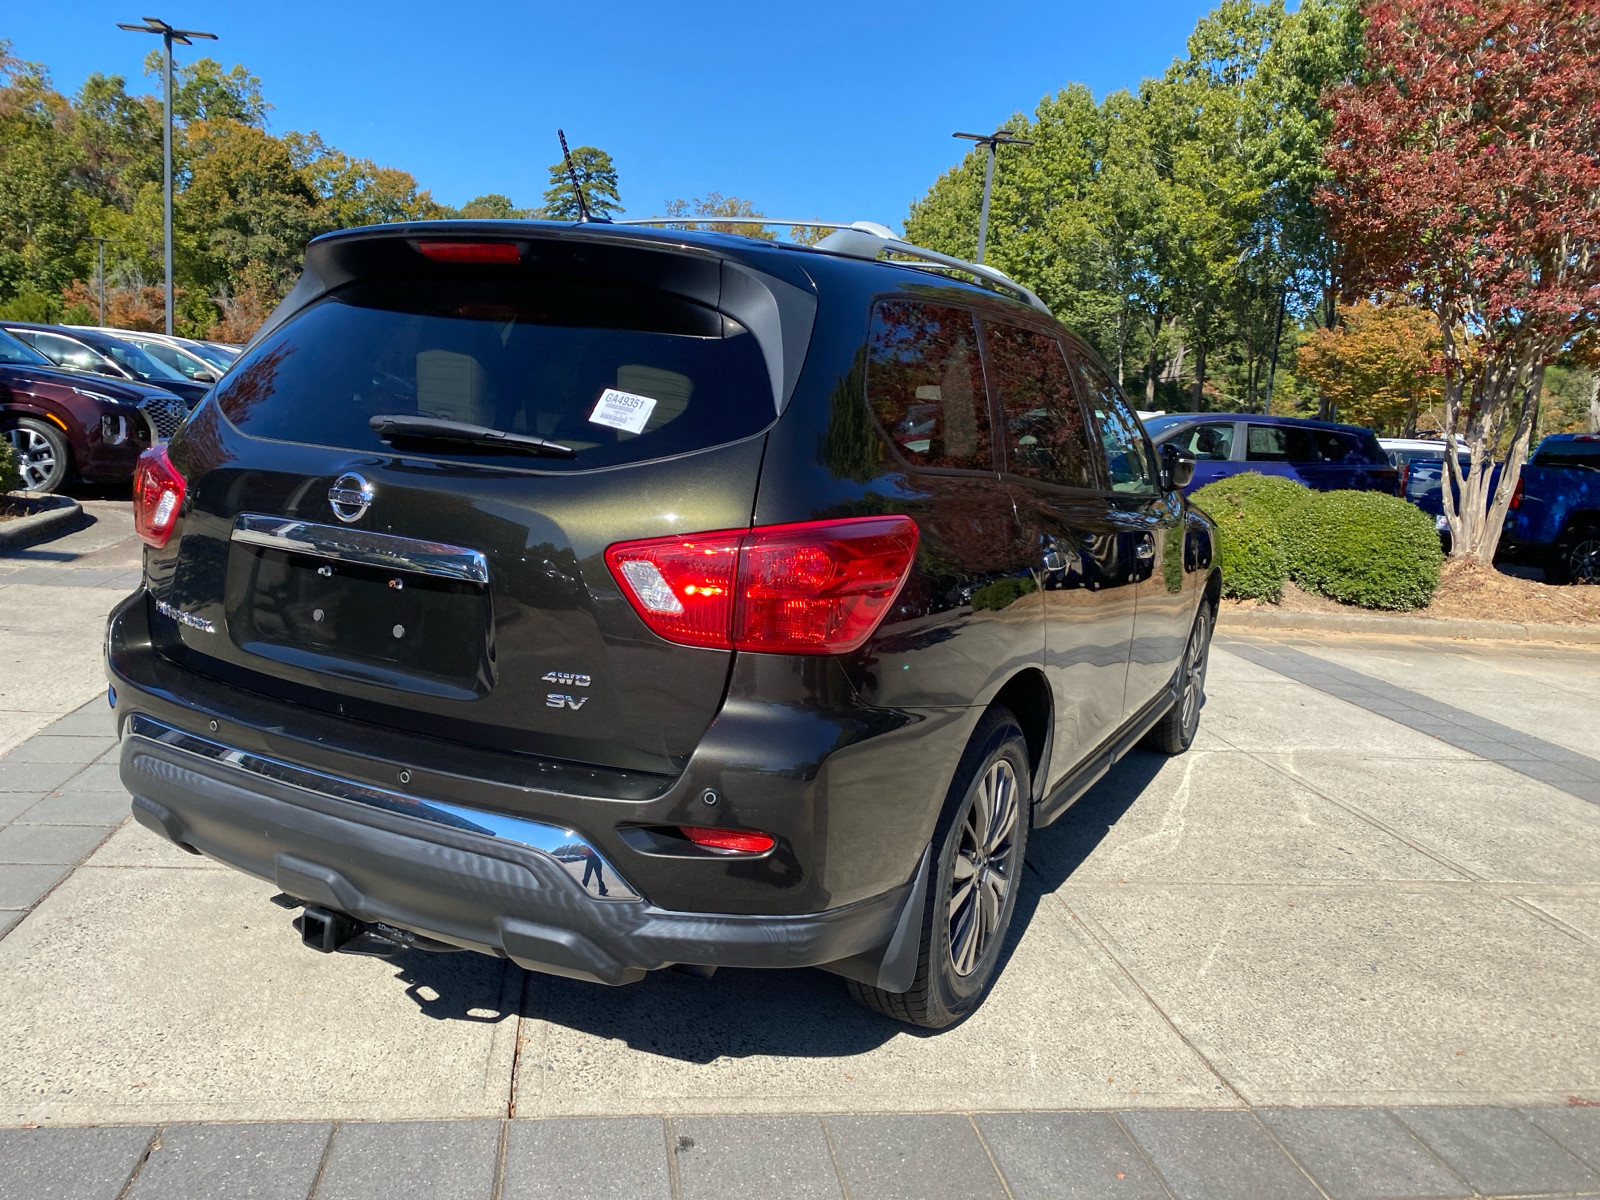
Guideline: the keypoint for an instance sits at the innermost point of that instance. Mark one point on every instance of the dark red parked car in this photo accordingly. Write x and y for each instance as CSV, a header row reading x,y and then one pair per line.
x,y
65,424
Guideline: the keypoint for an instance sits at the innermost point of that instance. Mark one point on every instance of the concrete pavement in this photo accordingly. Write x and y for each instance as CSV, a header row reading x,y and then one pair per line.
x,y
1371,893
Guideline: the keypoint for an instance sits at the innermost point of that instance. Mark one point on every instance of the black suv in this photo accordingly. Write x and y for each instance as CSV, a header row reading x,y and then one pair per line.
x,y
612,598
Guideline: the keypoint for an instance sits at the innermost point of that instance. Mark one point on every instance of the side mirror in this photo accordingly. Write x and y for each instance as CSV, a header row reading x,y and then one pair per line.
x,y
203,377
1177,468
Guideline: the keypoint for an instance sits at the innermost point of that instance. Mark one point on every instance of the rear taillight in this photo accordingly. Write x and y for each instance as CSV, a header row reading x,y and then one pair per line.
x,y
1405,477
157,496
735,840
820,587
1516,494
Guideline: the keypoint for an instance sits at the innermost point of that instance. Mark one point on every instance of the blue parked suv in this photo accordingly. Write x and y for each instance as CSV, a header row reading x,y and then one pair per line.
x,y
1554,520
1319,454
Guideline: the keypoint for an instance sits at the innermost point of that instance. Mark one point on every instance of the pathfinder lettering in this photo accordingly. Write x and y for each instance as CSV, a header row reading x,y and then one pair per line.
x,y
183,618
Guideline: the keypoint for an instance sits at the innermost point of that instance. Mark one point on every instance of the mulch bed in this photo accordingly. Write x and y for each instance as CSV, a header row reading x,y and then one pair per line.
x,y
1468,591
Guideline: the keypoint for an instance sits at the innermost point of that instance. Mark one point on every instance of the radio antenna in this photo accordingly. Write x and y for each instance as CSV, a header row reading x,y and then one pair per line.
x,y
572,172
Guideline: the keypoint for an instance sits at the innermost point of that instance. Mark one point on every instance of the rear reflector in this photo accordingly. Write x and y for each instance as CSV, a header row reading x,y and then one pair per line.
x,y
819,587
1516,495
728,839
471,252
157,496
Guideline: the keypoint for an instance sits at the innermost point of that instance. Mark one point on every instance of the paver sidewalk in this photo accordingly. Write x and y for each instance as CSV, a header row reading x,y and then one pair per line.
x,y
1276,1154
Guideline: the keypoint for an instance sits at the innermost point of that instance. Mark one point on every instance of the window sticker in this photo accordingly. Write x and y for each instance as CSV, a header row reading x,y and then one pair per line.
x,y
622,410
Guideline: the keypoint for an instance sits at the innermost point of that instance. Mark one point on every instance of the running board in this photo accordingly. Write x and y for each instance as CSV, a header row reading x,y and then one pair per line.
x,y
1067,793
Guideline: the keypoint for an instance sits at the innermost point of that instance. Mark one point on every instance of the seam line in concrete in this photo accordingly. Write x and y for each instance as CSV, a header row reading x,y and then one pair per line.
x,y
1005,1184
833,1153
150,1148
516,1039
1429,1150
1144,1156
322,1164
498,1188
1272,1135
1149,999
671,1134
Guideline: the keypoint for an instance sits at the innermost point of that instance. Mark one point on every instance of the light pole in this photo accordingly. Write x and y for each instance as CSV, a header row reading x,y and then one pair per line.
x,y
181,37
999,137
100,274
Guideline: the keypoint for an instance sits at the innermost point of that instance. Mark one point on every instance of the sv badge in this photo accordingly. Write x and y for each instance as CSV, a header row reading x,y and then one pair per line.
x,y
556,700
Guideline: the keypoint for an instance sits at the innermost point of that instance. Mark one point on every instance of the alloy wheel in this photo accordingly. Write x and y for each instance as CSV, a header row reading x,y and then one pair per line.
x,y
36,457
1194,675
1583,564
983,871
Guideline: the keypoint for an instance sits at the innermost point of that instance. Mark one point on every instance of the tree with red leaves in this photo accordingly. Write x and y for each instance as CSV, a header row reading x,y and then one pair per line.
x,y
1466,172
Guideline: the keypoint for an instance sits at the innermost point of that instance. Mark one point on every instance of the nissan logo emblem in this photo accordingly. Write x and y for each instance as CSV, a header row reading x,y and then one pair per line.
x,y
350,497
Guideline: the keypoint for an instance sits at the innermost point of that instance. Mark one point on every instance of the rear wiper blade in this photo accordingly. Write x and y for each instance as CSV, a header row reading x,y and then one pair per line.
x,y
390,426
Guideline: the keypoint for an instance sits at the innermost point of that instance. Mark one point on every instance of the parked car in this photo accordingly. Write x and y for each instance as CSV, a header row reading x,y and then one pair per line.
x,y
183,355
102,354
1319,454
66,424
603,597
1554,520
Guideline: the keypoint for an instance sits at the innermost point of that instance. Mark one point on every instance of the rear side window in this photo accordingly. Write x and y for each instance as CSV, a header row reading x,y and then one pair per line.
x,y
925,384
1569,454
1298,444
616,374
1046,438
1129,457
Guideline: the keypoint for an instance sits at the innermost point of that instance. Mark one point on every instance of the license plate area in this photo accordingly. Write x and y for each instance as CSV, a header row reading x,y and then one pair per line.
x,y
392,628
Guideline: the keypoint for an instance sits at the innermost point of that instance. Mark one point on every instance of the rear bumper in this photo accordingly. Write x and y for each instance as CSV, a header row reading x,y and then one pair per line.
x,y
485,891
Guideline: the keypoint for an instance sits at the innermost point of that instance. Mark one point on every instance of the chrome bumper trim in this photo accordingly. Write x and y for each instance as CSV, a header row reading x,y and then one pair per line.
x,y
581,861
382,550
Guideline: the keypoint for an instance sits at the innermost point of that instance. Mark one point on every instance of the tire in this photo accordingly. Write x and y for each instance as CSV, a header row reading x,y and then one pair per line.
x,y
43,455
1576,560
1174,733
965,919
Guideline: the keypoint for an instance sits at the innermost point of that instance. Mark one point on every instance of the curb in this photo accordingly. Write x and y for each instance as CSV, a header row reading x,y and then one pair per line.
x,y
50,514
1439,627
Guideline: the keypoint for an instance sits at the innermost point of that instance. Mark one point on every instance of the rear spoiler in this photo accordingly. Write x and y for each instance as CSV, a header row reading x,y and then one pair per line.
x,y
779,313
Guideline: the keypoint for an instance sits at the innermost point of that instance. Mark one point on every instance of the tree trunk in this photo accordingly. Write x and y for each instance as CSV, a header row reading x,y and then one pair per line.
x,y
1197,397
1594,401
1410,429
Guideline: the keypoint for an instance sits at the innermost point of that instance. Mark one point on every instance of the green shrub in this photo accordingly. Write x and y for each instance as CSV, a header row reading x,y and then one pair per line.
x,y
1364,548
10,473
1250,509
1250,552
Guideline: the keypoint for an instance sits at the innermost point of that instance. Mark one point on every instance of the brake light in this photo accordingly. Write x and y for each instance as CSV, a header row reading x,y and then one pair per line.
x,y
471,252
818,587
1405,477
158,492
736,840
1516,495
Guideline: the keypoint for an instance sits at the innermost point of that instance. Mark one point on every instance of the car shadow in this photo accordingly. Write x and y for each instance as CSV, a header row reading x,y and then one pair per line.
x,y
749,1013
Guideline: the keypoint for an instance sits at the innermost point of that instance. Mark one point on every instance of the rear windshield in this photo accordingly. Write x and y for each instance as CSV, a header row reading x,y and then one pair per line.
x,y
617,375
1569,454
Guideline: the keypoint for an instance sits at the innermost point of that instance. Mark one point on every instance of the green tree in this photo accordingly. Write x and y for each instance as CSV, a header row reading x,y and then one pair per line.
x,y
715,204
203,91
597,177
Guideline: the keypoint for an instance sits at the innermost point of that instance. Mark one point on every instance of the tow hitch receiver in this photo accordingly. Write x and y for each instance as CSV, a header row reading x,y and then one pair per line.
x,y
328,931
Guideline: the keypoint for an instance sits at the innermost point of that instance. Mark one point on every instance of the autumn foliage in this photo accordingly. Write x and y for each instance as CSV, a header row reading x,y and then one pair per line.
x,y
1378,367
1466,171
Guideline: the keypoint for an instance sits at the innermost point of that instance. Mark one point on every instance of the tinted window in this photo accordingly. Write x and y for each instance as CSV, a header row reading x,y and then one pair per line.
x,y
511,356
1300,444
14,351
926,386
1129,458
1211,442
68,353
1045,434
1569,454
139,363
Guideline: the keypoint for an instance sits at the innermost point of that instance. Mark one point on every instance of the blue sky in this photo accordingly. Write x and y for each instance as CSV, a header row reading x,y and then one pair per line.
x,y
830,112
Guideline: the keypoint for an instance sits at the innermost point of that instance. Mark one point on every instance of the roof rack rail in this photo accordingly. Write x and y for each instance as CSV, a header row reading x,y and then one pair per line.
x,y
868,239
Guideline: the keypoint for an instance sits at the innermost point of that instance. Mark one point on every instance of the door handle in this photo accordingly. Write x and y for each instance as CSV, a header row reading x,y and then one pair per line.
x,y
1145,548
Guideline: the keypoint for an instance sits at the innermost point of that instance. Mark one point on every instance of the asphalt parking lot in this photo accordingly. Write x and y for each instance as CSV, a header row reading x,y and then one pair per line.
x,y
1349,940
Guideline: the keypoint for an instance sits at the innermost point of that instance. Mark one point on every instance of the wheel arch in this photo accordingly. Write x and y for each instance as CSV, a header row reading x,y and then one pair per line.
x,y
1027,695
